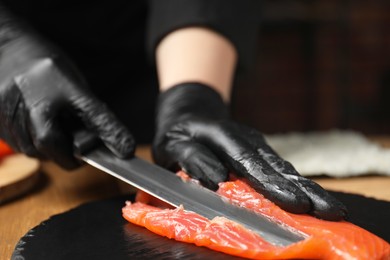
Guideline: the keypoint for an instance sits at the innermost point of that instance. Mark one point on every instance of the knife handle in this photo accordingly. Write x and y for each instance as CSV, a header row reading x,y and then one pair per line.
x,y
84,141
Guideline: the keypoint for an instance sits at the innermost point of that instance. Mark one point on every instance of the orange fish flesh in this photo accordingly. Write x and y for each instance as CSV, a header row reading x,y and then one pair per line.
x,y
325,239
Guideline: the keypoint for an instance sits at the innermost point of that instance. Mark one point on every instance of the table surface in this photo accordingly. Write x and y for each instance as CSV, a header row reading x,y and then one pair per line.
x,y
59,191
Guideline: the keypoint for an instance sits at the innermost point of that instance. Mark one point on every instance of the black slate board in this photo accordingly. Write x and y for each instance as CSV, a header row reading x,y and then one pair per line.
x,y
97,230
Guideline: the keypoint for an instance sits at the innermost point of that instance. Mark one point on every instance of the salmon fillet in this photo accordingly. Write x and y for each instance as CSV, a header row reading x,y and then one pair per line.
x,y
325,239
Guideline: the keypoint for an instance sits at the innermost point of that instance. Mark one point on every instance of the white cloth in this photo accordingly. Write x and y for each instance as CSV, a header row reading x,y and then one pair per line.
x,y
335,153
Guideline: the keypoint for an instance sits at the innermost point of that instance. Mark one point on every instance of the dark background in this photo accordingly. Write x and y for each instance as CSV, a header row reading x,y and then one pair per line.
x,y
320,65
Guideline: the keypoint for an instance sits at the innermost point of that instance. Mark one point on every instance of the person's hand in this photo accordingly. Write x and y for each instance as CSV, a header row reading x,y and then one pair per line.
x,y
194,133
43,100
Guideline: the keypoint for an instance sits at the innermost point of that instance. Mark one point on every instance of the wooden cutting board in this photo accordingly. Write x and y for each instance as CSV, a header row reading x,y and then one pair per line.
x,y
18,175
97,230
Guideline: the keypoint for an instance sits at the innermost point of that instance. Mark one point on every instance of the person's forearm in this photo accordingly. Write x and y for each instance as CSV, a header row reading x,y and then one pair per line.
x,y
196,54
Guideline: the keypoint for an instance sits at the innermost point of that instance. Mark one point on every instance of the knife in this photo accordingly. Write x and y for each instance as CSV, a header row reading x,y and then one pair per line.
x,y
171,189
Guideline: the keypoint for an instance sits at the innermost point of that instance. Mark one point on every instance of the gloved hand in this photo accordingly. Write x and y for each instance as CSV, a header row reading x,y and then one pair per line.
x,y
43,100
194,133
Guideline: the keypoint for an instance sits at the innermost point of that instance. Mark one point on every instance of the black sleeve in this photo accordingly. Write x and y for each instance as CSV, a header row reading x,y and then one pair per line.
x,y
9,26
237,20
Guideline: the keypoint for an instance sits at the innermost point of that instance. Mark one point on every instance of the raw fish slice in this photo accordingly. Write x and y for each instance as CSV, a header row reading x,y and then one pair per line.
x,y
326,239
173,223
334,240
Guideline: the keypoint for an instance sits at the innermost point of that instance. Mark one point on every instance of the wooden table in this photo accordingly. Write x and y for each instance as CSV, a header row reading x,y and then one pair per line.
x,y
60,191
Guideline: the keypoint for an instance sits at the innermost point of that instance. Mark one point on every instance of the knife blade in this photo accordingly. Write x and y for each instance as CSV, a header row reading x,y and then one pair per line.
x,y
170,188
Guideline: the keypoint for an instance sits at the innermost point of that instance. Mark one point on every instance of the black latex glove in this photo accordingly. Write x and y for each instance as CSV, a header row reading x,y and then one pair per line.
x,y
43,100
194,133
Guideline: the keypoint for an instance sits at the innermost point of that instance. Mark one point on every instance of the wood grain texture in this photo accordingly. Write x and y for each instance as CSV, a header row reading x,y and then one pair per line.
x,y
59,191
18,175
